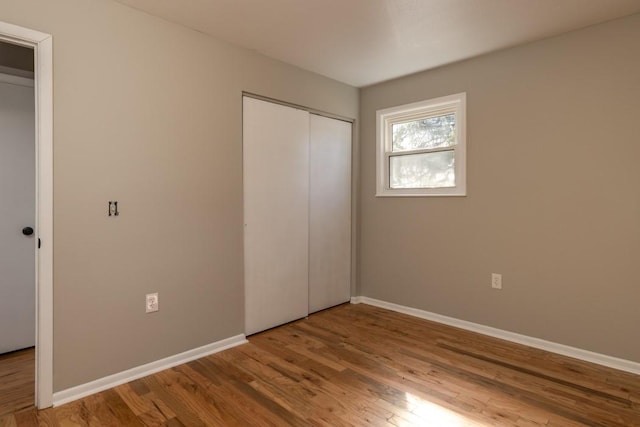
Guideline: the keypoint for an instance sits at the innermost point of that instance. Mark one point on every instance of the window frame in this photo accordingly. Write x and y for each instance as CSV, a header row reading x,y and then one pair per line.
x,y
386,118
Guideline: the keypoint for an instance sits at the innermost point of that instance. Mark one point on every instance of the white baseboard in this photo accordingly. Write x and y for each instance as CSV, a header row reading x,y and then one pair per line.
x,y
83,390
565,350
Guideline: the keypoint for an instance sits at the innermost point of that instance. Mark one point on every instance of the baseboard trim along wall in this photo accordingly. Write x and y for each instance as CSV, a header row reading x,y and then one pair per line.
x,y
576,353
83,390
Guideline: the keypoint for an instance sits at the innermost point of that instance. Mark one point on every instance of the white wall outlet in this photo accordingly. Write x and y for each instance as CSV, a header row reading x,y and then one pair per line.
x,y
152,303
496,281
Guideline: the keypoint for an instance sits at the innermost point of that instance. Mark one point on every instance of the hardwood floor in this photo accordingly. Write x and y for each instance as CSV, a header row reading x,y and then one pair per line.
x,y
361,365
17,376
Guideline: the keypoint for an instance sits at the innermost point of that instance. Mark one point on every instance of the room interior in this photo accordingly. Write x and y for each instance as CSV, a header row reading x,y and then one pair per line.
x,y
148,111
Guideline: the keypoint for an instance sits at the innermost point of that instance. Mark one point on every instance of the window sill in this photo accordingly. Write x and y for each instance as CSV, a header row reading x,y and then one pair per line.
x,y
409,193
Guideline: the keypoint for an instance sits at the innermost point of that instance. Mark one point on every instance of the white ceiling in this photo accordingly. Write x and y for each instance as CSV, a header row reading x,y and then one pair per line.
x,y
362,42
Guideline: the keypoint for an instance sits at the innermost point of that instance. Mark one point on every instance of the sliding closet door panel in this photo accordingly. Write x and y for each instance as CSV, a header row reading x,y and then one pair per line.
x,y
330,213
276,214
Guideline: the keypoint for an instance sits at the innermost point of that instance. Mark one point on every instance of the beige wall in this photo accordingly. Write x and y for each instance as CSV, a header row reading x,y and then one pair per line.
x,y
149,113
553,195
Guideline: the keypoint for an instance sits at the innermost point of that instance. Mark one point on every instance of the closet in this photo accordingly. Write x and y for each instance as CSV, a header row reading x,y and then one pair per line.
x,y
297,213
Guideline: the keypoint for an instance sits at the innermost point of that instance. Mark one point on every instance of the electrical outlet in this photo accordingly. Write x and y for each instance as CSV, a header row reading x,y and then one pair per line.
x,y
496,281
152,303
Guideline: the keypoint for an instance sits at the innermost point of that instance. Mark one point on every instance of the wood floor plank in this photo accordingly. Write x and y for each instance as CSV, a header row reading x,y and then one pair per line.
x,y
168,397
17,380
249,406
357,365
230,414
8,420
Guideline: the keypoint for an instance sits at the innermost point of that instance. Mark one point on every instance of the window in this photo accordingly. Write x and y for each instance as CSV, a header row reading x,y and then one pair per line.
x,y
421,148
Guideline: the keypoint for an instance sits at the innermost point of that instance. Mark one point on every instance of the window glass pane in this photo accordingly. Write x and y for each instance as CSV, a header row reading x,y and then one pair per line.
x,y
434,132
424,170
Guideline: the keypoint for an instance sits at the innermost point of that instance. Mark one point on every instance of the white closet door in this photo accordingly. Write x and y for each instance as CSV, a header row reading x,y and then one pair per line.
x,y
330,213
276,214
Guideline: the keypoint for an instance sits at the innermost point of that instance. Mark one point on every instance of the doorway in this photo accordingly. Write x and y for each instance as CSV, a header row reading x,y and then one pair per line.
x,y
17,221
34,236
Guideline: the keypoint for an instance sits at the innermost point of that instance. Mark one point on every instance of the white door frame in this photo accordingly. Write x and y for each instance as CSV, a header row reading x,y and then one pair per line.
x,y
43,79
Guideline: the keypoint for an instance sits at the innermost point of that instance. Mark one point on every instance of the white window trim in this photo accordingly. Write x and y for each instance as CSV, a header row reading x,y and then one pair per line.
x,y
388,116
